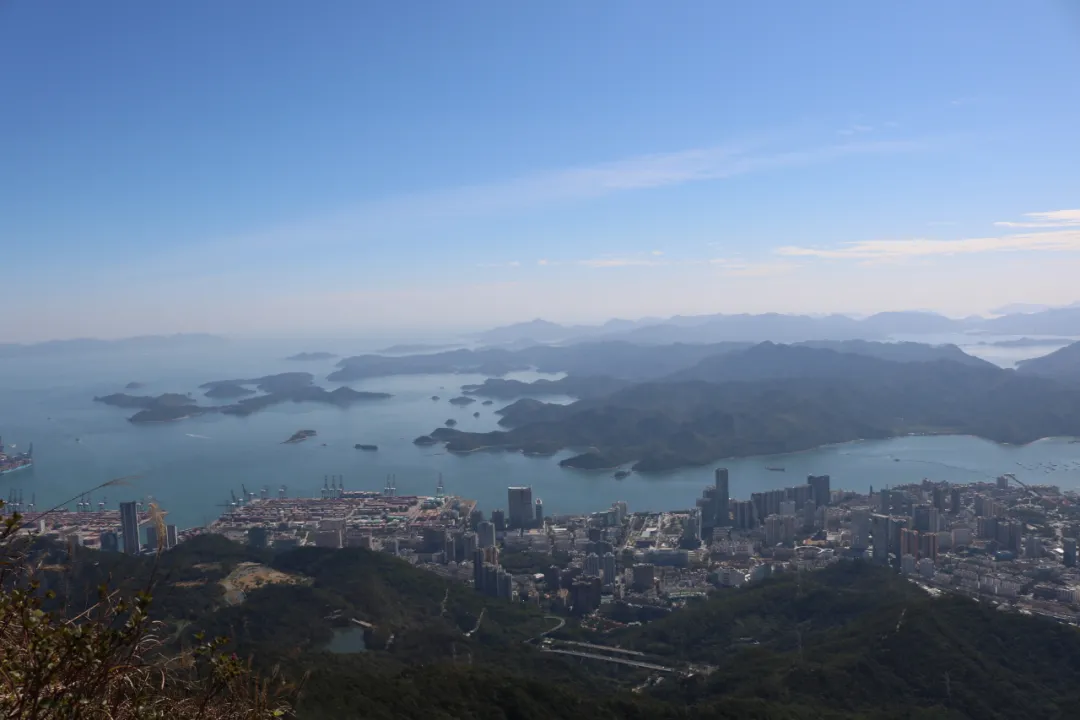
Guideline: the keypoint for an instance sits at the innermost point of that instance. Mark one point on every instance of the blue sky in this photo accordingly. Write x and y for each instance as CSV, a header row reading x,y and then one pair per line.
x,y
255,167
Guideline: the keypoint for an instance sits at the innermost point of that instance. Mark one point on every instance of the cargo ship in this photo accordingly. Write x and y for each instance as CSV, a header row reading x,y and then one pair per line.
x,y
10,462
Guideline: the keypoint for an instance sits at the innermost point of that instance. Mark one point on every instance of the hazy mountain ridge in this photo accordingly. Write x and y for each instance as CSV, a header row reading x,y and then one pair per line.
x,y
140,343
791,327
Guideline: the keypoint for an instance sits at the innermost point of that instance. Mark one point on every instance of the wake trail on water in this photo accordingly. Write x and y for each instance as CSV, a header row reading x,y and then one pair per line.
x,y
200,437
931,462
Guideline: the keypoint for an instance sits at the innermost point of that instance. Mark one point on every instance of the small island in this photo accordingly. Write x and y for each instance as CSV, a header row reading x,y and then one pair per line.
x,y
309,356
368,448
228,390
476,414
462,400
134,386
425,440
161,408
434,397
451,422
488,402
300,436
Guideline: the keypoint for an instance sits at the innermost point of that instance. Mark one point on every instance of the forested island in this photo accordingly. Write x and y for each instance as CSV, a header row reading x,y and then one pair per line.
x,y
275,389
773,399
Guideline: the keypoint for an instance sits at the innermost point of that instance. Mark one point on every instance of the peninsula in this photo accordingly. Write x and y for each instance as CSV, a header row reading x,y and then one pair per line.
x,y
776,399
617,359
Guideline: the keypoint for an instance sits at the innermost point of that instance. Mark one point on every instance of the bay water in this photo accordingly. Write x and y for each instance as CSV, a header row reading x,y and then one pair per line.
x,y
191,467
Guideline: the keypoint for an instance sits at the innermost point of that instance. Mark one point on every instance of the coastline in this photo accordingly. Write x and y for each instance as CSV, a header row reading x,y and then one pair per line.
x,y
632,462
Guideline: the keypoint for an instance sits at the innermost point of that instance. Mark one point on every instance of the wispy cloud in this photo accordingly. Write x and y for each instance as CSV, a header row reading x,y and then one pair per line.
x,y
1066,239
1052,219
855,129
377,219
511,264
615,262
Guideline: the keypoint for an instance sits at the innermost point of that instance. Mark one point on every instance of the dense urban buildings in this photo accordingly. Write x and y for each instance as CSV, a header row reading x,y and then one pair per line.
x,y
1013,544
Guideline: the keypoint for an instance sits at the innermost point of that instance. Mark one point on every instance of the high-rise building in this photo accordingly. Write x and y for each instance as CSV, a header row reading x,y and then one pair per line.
x,y
1069,545
955,501
787,507
643,576
920,519
779,529
468,545
485,534
592,564
692,529
552,578
475,518
744,514
153,542
723,494
1032,546
505,585
928,545
879,528
498,519
621,510
520,511
450,548
799,494
170,536
939,498
809,515
909,542
110,542
885,501
607,568
478,570
129,527
538,515
822,494
896,526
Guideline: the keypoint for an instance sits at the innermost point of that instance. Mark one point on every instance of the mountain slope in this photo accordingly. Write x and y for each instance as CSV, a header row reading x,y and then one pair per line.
x,y
1062,365
783,399
820,359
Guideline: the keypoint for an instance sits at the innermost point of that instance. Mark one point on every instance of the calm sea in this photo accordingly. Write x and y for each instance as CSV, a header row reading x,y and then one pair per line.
x,y
190,467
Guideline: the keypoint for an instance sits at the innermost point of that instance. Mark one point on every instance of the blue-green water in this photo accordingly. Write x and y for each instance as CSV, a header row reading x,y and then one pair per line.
x,y
190,466
347,641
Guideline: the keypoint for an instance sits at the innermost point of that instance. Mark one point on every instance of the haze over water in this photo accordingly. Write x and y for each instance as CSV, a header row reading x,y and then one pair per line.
x,y
191,466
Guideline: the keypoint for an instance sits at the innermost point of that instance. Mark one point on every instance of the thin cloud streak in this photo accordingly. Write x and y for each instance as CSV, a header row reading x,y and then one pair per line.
x,y
1052,219
894,250
374,220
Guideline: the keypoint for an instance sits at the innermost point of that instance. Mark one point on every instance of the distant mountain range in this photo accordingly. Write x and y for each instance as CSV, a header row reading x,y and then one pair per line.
x,y
87,345
788,328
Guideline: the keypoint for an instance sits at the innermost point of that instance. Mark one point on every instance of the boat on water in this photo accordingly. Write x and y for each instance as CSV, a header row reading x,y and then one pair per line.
x,y
775,469
10,462
620,474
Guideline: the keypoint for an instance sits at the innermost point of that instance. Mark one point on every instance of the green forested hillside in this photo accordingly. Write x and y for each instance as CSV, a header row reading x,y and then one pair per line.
x,y
853,641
